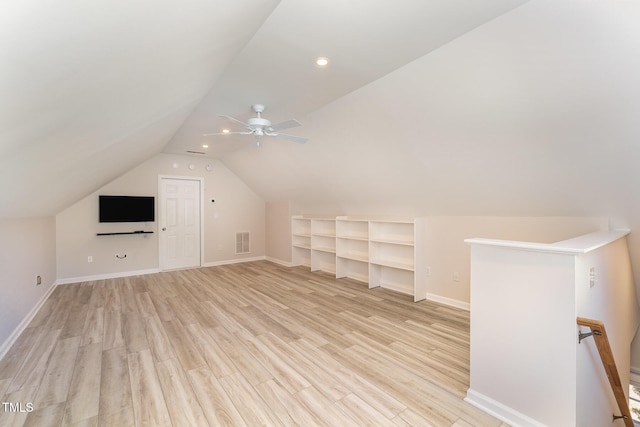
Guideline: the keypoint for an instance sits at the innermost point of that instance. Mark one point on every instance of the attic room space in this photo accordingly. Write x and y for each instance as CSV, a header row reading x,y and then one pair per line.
x,y
403,235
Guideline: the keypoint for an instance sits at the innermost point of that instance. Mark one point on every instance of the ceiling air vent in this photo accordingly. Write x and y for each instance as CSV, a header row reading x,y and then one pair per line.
x,y
243,242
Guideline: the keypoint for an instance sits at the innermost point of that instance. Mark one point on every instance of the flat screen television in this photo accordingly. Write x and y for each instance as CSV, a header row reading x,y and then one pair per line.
x,y
127,208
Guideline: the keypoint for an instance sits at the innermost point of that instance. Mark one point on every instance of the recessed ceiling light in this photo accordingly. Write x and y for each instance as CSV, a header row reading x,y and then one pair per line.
x,y
205,146
225,130
322,61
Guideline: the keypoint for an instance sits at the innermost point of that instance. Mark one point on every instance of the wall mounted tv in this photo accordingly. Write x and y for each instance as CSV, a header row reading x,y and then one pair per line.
x,y
127,209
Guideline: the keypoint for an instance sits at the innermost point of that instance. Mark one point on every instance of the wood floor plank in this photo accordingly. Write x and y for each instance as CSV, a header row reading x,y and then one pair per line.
x,y
318,375
4,385
13,360
124,418
216,405
49,416
363,413
325,412
93,326
247,365
135,337
12,418
249,403
285,408
115,385
113,331
184,408
217,360
98,296
127,296
161,347
57,378
369,392
186,351
276,363
83,401
112,299
35,362
74,325
144,304
243,344
163,310
148,400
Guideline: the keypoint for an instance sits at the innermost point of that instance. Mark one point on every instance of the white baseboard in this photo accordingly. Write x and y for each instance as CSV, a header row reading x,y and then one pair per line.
x,y
449,301
500,411
107,276
149,271
279,262
234,261
6,345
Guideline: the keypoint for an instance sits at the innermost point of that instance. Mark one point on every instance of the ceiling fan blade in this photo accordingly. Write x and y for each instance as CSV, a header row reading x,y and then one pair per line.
x,y
234,120
293,138
227,133
285,125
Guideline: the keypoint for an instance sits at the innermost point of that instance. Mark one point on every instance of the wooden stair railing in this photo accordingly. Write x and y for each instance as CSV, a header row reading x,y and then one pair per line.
x,y
606,355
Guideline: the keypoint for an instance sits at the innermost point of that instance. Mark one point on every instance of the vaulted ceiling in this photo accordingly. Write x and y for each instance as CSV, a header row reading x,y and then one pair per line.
x,y
500,107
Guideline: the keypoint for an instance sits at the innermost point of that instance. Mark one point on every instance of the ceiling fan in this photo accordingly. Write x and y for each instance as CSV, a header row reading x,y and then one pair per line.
x,y
259,127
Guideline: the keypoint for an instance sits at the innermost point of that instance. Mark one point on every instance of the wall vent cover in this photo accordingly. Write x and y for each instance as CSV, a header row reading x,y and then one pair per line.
x,y
243,242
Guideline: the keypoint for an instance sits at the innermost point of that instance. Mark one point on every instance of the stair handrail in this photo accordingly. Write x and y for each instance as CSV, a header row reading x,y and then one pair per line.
x,y
599,334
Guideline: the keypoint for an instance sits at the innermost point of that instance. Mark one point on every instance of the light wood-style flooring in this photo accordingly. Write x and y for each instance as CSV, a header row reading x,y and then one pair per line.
x,y
244,344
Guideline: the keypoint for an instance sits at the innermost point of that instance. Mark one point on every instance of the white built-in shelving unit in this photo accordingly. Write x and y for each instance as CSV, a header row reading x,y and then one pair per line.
x,y
352,248
323,244
382,252
301,241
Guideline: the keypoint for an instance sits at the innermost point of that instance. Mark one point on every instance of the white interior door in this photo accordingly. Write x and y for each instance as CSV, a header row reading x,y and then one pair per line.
x,y
179,215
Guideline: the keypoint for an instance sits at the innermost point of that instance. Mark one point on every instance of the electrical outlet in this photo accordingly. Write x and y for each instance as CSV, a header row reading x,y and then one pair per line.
x,y
89,258
428,271
592,277
38,280
456,276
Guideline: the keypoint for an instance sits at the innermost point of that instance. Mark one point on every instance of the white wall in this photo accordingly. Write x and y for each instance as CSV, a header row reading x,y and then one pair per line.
x,y
27,250
613,301
236,208
526,363
278,232
447,253
523,334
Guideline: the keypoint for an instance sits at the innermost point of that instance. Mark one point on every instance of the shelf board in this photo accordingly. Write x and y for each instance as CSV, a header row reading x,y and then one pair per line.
x,y
302,234
354,257
393,264
359,238
324,249
392,242
330,235
302,246
392,221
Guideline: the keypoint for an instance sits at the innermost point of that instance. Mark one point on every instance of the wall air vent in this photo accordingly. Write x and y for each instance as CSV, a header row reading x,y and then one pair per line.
x,y
243,242
195,152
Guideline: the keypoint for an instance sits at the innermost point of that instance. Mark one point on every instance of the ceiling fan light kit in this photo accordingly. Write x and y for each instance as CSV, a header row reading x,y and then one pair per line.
x,y
259,127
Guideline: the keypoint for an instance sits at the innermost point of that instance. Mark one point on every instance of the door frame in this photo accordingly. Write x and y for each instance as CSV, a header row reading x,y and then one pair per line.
x,y
161,215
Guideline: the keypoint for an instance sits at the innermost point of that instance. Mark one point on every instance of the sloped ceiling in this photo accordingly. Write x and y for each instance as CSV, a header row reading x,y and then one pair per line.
x,y
501,107
533,113
91,90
